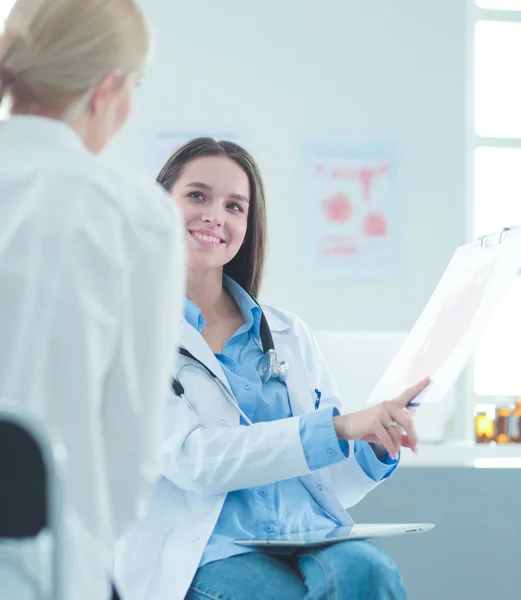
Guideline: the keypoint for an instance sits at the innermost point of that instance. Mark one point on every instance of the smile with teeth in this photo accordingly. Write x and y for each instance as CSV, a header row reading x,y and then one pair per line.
x,y
205,239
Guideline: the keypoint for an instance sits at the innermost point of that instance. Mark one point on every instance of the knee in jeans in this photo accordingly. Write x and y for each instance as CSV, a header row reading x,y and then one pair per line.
x,y
381,566
375,562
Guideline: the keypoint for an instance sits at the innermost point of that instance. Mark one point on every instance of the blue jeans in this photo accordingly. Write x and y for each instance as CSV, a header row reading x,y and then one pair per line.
x,y
345,571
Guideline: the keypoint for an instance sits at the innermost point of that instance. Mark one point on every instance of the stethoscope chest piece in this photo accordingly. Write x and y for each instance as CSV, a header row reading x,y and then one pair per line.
x,y
269,368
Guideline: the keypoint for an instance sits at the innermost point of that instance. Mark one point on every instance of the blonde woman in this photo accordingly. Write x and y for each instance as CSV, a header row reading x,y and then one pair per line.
x,y
91,265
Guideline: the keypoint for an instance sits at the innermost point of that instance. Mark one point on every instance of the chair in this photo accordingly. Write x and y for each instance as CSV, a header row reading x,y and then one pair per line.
x,y
31,496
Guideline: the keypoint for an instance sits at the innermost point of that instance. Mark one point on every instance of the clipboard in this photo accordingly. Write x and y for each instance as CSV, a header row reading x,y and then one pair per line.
x,y
493,239
448,329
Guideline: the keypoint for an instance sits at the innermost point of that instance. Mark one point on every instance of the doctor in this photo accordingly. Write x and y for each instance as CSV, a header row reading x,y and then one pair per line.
x,y
92,268
250,450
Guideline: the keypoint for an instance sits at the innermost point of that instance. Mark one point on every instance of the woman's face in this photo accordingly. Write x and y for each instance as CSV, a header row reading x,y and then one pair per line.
x,y
214,193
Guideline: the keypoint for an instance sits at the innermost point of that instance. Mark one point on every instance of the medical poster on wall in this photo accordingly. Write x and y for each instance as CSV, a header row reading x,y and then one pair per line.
x,y
351,217
162,141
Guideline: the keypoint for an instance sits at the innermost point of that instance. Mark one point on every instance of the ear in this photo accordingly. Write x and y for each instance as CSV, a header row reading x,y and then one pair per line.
x,y
109,84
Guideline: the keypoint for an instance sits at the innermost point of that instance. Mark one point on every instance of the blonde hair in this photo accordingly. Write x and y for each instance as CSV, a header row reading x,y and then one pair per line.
x,y
55,52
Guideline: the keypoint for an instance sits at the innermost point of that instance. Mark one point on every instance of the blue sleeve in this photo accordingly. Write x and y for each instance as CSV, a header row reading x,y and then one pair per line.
x,y
321,446
375,468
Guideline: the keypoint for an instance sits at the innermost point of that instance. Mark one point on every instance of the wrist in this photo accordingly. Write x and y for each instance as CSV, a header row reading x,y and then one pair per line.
x,y
379,450
339,423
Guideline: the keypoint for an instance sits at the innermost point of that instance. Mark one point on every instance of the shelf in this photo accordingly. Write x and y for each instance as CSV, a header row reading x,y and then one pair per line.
x,y
464,454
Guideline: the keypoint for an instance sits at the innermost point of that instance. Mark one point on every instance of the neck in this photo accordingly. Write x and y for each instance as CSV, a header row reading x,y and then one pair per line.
x,y
207,292
37,111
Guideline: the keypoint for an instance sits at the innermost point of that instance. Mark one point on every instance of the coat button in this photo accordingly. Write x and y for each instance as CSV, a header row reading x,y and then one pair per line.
x,y
224,422
319,487
195,539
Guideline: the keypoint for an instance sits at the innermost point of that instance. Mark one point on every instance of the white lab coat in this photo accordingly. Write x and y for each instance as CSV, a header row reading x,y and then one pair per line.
x,y
91,290
208,454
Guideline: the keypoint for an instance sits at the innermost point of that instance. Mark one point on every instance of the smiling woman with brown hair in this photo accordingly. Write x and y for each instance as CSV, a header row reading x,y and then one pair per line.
x,y
253,449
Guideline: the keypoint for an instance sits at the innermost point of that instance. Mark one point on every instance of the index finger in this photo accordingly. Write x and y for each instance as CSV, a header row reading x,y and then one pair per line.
x,y
412,392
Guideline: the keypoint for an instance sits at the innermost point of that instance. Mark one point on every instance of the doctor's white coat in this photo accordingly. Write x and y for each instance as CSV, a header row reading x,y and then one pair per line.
x,y
91,290
207,454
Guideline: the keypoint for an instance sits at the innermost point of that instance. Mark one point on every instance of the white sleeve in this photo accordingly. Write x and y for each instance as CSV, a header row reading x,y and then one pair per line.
x,y
215,460
150,312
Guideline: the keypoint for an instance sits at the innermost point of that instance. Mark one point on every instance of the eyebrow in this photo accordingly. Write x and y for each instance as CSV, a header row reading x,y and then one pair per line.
x,y
208,188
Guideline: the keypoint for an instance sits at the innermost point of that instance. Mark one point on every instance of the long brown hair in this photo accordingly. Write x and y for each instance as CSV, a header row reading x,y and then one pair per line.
x,y
247,266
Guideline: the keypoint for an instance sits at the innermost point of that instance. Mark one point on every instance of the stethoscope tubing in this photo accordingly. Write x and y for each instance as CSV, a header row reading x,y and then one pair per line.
x,y
179,389
267,344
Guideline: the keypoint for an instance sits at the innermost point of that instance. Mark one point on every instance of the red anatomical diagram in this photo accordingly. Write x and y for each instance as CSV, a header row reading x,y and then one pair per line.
x,y
375,224
338,207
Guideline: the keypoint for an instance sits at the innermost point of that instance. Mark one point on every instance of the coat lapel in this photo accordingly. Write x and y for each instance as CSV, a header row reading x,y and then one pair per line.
x,y
297,379
287,346
194,342
301,387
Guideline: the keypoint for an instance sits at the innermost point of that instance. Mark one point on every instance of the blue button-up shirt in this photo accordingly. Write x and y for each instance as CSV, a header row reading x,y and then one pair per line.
x,y
284,506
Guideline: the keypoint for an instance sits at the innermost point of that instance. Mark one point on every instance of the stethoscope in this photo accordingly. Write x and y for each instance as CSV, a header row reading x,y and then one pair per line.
x,y
268,368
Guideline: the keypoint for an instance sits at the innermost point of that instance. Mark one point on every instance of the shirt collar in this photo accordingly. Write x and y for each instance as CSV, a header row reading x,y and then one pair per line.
x,y
249,308
193,315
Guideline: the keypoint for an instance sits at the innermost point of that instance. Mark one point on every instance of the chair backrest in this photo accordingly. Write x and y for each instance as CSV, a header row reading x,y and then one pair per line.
x,y
23,489
32,475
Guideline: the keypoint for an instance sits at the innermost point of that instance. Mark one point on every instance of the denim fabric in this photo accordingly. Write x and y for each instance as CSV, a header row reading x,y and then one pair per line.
x,y
357,570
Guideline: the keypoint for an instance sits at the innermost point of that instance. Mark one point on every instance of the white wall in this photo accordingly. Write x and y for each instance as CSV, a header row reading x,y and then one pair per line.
x,y
277,71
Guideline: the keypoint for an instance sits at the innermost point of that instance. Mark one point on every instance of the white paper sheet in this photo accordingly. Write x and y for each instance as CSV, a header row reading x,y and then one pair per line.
x,y
443,338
